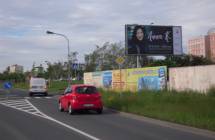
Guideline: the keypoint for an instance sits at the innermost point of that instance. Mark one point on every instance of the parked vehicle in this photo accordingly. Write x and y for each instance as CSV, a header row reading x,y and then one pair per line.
x,y
38,86
80,97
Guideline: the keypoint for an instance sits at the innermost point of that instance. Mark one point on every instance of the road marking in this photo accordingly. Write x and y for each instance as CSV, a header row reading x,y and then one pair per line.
x,y
20,104
48,97
34,111
15,104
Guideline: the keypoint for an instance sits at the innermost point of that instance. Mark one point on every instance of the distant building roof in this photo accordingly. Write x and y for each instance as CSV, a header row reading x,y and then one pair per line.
x,y
210,31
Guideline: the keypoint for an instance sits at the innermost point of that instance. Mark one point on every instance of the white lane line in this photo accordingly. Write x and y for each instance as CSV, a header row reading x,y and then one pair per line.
x,y
63,124
31,109
13,101
21,105
25,108
15,104
38,97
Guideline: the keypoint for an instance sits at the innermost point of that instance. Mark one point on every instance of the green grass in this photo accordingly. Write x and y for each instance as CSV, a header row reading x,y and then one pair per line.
x,y
186,108
58,86
21,85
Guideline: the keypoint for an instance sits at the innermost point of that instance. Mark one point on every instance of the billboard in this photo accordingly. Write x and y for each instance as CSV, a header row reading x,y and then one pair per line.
x,y
107,79
152,78
88,78
153,40
97,79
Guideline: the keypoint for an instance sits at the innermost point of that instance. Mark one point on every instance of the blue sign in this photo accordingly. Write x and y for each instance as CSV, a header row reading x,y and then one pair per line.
x,y
75,66
161,72
7,85
107,79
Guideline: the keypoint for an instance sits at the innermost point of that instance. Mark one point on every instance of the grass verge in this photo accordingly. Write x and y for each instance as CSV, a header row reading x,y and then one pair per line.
x,y
188,108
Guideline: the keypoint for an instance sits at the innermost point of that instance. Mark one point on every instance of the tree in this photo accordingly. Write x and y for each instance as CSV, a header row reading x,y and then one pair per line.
x,y
104,57
181,61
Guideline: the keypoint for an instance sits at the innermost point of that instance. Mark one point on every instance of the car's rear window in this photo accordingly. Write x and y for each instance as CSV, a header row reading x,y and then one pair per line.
x,y
86,90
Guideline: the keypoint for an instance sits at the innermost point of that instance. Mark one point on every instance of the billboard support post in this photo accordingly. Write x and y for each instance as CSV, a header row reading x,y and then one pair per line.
x,y
138,61
120,80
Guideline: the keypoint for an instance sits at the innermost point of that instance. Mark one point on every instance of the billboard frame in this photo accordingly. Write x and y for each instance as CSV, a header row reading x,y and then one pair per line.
x,y
154,54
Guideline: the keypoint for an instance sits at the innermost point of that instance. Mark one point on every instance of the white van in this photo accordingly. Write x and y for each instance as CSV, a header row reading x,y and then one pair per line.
x,y
38,86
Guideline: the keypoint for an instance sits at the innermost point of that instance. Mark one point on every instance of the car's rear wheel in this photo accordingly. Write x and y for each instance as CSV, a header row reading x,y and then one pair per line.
x,y
99,111
60,107
70,110
30,94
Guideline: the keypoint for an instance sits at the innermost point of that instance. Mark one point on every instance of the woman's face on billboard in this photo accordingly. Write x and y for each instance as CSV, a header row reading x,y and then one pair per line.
x,y
139,34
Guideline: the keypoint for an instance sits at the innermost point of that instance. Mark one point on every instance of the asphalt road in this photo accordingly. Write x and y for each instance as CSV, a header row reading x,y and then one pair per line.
x,y
37,118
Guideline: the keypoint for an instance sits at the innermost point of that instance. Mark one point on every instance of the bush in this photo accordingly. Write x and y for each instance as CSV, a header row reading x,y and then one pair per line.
x,y
211,91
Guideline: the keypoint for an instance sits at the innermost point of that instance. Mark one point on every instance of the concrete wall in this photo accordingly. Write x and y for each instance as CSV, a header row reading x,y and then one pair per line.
x,y
197,78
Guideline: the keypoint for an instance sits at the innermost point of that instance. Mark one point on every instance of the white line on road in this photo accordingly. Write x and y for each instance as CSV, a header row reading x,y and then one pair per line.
x,y
63,124
15,104
20,104
34,111
12,101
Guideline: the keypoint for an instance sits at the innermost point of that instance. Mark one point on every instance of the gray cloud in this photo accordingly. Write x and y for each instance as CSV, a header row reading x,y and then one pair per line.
x,y
23,24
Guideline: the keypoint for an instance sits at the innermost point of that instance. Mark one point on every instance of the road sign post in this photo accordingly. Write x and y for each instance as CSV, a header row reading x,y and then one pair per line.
x,y
7,86
75,67
120,60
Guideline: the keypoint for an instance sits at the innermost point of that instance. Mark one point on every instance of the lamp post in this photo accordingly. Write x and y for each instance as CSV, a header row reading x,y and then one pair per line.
x,y
68,65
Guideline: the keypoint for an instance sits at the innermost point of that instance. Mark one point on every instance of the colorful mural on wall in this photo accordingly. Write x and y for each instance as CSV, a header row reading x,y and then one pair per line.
x,y
107,79
88,78
119,79
152,78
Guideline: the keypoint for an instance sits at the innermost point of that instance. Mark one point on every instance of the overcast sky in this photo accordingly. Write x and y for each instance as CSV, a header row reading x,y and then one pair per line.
x,y
23,25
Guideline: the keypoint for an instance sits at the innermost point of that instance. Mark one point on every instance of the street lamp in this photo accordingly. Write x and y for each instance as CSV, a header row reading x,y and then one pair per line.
x,y
68,65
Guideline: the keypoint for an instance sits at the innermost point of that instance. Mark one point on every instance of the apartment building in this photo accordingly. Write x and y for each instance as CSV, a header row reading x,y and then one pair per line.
x,y
203,45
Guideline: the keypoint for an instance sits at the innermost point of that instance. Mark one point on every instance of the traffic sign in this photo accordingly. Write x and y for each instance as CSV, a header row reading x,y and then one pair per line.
x,y
120,60
75,66
7,85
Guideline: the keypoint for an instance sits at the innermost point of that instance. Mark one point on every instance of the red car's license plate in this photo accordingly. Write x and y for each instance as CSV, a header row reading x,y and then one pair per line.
x,y
88,105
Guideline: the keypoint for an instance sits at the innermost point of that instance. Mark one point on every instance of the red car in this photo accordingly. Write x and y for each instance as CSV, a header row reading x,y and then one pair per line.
x,y
80,97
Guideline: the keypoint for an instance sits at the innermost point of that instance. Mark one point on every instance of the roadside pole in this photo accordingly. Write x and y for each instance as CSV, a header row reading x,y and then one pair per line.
x,y
120,60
